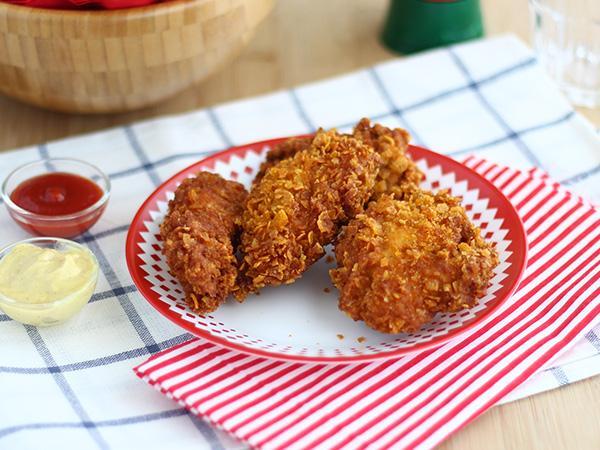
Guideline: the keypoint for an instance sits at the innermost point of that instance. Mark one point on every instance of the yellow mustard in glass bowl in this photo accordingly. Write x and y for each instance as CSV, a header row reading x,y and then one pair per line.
x,y
45,281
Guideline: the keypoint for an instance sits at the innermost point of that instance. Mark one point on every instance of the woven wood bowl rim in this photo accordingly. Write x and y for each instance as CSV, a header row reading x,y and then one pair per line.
x,y
139,11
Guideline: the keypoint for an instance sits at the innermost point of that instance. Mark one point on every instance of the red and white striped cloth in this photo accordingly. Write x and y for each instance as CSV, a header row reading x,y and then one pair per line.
x,y
414,401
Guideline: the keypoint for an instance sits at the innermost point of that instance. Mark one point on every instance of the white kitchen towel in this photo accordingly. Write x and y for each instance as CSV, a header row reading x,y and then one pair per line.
x,y
72,386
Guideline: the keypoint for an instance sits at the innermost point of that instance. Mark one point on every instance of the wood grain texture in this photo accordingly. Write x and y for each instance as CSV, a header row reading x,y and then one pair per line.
x,y
110,61
305,40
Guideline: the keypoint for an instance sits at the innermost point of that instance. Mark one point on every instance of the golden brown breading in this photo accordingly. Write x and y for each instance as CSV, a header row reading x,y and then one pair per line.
x,y
198,238
299,206
402,261
398,174
282,151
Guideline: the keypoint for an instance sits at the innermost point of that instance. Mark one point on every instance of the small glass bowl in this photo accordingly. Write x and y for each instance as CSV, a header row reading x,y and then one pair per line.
x,y
65,226
57,311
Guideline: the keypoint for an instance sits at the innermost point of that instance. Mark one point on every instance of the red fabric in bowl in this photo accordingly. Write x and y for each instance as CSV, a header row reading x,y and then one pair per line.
x,y
83,4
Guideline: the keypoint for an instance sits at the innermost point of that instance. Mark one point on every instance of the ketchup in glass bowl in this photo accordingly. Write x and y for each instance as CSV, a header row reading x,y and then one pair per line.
x,y
59,197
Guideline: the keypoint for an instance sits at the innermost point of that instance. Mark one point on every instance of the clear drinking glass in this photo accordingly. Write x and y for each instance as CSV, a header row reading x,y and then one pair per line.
x,y
567,41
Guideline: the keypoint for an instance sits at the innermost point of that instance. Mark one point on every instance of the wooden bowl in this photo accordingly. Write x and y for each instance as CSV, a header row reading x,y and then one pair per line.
x,y
120,60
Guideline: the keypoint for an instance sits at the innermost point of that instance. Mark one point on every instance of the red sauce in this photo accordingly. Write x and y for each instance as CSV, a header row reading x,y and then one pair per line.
x,y
57,194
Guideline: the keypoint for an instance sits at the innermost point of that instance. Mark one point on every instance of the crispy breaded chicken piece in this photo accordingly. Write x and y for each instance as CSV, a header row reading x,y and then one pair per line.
x,y
398,174
199,234
282,151
402,261
299,206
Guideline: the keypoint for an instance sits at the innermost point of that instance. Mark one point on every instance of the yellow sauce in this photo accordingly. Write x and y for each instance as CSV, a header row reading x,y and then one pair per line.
x,y
45,286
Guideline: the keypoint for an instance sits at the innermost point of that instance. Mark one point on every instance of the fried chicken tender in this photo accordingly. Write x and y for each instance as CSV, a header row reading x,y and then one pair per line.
x,y
402,261
398,174
199,234
299,206
282,151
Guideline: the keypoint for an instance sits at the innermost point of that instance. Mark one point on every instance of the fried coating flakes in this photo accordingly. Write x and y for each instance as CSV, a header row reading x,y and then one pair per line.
x,y
299,206
402,261
282,151
398,174
199,234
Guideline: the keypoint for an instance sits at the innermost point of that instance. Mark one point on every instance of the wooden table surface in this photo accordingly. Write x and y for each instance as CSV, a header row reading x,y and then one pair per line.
x,y
337,36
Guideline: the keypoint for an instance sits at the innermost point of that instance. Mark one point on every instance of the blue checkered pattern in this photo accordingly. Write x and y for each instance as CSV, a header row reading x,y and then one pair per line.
x,y
72,386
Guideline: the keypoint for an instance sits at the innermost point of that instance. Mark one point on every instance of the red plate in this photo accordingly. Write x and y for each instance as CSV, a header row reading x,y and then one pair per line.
x,y
301,322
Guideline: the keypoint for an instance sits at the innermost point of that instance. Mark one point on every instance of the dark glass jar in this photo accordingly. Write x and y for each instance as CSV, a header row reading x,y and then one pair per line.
x,y
414,25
